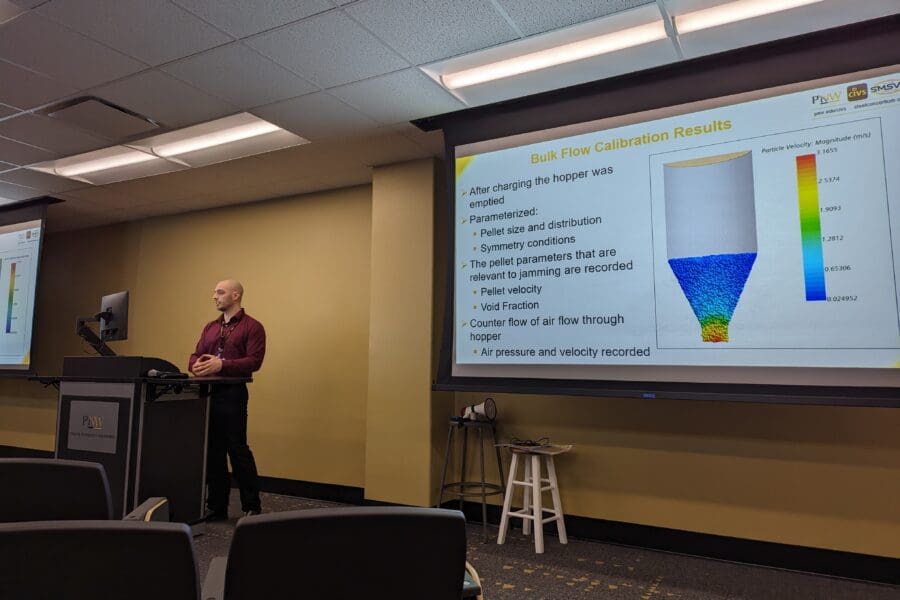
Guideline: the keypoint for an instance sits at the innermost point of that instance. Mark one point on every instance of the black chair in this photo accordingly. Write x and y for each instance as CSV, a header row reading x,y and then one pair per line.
x,y
344,553
46,489
86,560
37,489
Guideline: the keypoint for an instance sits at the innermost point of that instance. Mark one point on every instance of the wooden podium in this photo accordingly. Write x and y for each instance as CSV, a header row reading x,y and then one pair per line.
x,y
149,433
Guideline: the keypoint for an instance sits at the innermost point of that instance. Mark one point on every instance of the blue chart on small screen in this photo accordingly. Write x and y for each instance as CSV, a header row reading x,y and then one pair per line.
x,y
762,233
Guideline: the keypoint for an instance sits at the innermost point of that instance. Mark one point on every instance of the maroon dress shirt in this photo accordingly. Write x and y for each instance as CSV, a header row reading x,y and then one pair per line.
x,y
240,343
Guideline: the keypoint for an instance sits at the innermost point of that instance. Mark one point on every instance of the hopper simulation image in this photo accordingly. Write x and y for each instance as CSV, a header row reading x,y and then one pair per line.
x,y
711,239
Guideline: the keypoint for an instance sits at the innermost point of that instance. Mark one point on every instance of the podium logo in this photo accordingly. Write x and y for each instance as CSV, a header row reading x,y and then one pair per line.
x,y
886,88
92,422
857,91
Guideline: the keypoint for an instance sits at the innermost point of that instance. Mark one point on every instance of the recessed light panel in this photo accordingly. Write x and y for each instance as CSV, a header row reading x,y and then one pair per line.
x,y
213,142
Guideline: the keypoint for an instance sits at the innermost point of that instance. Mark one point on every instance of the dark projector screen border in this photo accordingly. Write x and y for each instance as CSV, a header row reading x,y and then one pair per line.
x,y
821,55
26,219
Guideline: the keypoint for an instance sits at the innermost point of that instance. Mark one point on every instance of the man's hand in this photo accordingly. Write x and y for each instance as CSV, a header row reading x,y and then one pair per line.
x,y
207,365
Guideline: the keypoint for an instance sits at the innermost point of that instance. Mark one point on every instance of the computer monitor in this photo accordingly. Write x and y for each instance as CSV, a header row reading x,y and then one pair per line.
x,y
114,317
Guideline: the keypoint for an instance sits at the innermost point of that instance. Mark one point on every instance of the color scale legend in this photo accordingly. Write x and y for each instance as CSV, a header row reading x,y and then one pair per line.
x,y
12,289
810,227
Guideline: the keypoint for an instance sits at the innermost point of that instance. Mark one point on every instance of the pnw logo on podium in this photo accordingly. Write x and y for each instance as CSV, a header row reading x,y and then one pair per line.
x,y
92,422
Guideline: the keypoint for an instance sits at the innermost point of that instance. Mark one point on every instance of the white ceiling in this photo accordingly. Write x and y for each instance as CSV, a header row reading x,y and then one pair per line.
x,y
347,75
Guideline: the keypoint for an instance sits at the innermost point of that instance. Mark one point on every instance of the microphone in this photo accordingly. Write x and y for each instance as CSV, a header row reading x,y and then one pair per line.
x,y
166,374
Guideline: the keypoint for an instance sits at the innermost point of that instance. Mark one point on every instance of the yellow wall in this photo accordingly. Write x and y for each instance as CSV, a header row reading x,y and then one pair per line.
x,y
304,263
345,283
817,476
401,452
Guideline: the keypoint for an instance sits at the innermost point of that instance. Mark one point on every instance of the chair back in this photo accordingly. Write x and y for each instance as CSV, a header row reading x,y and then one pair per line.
x,y
97,559
39,489
348,553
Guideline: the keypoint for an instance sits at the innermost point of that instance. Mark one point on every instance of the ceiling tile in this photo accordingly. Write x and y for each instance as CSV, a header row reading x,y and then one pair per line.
x,y
71,57
78,214
283,188
400,96
67,211
8,10
328,49
49,184
102,196
148,190
155,210
6,111
351,175
225,197
537,16
28,3
428,30
67,206
153,31
56,224
100,219
241,18
239,75
164,99
26,89
99,118
316,116
11,191
238,173
430,141
208,179
201,202
12,151
50,134
384,147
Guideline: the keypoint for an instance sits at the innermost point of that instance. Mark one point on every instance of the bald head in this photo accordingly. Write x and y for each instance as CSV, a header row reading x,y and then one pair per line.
x,y
228,295
232,285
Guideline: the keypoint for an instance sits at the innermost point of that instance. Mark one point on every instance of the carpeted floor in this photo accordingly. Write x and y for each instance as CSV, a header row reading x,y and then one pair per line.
x,y
583,569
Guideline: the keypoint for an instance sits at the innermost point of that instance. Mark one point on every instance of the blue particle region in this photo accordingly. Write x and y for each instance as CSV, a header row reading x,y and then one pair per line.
x,y
713,284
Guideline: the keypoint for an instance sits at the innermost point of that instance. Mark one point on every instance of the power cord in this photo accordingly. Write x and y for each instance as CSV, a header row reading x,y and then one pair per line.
x,y
544,441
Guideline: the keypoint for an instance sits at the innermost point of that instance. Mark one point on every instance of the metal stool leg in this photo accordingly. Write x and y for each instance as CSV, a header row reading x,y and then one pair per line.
x,y
446,462
483,490
462,467
497,449
507,499
536,499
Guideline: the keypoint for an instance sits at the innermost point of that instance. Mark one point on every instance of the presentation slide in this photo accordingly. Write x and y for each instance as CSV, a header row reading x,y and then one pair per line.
x,y
19,246
764,233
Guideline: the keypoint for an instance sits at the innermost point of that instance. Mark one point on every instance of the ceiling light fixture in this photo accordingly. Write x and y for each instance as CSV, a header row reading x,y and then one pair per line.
x,y
733,11
221,140
215,138
101,160
551,57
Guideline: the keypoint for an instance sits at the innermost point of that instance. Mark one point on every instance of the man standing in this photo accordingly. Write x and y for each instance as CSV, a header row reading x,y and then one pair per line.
x,y
231,346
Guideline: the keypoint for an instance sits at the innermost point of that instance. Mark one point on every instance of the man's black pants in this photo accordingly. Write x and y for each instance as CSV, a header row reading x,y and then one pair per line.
x,y
228,436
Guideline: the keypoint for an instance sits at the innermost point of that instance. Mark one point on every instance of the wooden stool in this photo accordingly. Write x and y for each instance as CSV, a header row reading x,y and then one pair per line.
x,y
533,510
